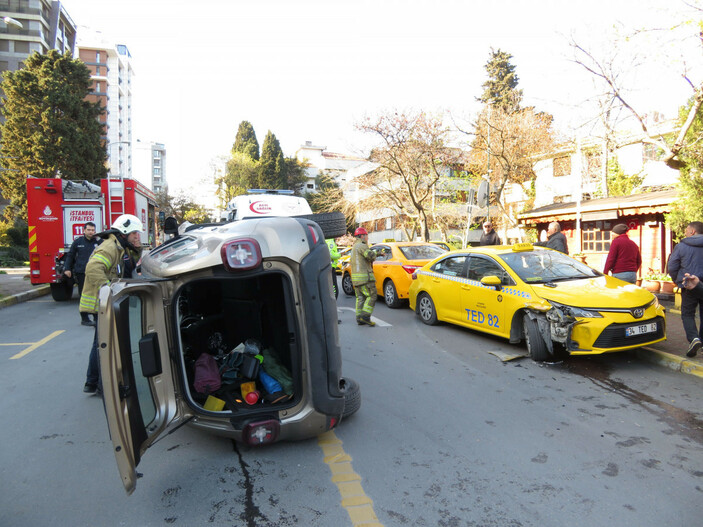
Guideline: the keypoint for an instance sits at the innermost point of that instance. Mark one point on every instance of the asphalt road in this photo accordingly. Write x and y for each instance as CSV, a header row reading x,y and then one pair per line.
x,y
447,435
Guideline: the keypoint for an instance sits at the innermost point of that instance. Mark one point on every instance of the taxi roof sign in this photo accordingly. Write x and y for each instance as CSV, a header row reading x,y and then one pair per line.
x,y
520,247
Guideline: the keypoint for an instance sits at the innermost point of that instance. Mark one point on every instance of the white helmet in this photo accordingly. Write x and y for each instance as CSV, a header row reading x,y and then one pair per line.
x,y
128,223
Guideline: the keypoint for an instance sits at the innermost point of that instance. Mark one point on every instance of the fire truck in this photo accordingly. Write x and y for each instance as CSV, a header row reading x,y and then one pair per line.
x,y
57,210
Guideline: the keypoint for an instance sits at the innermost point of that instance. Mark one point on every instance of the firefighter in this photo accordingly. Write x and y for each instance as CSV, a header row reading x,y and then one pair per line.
x,y
364,282
116,257
76,260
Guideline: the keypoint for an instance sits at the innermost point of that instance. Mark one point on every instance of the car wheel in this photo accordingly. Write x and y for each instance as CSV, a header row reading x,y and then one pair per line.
x,y
347,285
390,295
352,396
62,291
426,310
536,346
333,224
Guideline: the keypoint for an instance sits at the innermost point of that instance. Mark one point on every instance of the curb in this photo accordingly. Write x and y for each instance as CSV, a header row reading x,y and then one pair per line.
x,y
673,362
27,295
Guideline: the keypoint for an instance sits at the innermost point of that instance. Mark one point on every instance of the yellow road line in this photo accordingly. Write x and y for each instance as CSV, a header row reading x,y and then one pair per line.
x,y
36,345
358,505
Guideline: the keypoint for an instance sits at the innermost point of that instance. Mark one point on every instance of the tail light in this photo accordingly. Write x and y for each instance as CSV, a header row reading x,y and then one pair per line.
x,y
241,255
410,269
261,432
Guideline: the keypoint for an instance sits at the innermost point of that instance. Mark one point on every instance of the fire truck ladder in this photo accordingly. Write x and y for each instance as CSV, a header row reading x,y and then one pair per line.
x,y
115,201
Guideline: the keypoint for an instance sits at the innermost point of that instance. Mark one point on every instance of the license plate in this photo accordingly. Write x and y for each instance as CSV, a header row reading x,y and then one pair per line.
x,y
641,330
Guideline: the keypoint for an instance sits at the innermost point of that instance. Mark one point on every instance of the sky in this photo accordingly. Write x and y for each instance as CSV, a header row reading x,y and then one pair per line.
x,y
309,70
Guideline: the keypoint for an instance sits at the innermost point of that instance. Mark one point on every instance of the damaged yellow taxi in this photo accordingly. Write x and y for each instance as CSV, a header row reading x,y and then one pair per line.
x,y
551,301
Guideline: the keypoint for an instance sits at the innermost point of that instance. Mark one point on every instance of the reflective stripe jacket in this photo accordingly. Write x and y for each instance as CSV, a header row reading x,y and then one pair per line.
x,y
105,264
361,261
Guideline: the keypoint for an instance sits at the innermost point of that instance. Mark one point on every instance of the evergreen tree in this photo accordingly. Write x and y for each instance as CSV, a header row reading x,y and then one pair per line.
x,y
501,87
50,128
272,165
245,142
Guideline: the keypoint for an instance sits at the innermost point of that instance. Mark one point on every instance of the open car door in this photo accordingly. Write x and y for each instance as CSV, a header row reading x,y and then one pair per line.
x,y
137,380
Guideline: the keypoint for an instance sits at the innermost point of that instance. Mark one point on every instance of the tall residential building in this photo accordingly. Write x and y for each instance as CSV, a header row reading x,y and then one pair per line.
x,y
150,165
111,70
45,25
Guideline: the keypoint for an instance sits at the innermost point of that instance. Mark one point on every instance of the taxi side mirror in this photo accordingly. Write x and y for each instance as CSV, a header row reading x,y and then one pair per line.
x,y
492,281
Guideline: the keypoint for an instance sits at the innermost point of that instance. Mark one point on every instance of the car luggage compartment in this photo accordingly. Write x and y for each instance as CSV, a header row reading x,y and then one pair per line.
x,y
216,315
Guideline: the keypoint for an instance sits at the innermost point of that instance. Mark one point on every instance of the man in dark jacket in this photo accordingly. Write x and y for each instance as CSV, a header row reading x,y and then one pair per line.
x,y
489,236
555,239
77,258
624,257
687,258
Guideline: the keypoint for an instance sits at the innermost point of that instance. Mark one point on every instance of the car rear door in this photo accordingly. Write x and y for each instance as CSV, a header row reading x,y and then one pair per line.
x,y
136,370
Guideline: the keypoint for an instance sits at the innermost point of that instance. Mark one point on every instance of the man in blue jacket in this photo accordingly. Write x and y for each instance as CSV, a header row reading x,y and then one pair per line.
x,y
687,258
77,258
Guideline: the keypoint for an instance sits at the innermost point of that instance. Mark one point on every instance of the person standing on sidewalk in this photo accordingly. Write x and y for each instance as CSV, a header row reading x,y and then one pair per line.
x,y
116,257
489,236
624,258
687,259
362,276
76,260
555,239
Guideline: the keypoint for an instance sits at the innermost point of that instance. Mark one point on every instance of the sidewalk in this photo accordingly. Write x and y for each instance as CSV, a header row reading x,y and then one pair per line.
x,y
15,287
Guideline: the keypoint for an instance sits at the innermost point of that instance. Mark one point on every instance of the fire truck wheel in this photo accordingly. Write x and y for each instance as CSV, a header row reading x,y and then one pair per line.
x,y
62,291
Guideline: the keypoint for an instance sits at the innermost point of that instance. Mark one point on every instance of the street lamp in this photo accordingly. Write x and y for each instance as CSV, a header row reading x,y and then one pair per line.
x,y
9,21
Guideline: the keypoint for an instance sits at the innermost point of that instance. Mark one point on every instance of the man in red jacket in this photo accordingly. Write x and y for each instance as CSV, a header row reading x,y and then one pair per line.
x,y
624,258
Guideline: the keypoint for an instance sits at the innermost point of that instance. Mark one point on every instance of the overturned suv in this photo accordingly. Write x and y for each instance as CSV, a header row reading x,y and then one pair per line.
x,y
206,296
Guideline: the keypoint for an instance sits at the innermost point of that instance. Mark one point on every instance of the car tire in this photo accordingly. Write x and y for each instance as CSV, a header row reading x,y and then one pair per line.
x,y
333,224
425,308
536,346
352,396
390,295
347,285
62,291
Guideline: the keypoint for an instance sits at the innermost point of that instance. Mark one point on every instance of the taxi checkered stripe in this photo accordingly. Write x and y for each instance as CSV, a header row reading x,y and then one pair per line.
x,y
514,291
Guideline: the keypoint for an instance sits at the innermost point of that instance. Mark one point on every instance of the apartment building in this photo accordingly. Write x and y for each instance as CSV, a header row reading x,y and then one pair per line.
x,y
45,25
149,167
111,70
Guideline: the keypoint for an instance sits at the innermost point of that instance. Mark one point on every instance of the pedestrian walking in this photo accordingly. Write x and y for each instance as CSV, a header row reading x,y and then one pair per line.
x,y
555,239
76,260
624,258
363,279
116,257
489,236
687,259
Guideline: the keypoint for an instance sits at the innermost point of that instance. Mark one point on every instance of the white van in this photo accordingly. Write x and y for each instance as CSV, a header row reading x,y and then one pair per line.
x,y
260,203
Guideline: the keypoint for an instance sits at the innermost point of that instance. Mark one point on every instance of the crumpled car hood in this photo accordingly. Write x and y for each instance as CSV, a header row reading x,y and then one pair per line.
x,y
598,292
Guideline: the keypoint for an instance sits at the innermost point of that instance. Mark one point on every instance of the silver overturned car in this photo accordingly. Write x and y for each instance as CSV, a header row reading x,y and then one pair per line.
x,y
242,298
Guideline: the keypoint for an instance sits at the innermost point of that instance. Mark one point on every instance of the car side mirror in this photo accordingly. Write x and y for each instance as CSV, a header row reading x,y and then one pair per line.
x,y
492,281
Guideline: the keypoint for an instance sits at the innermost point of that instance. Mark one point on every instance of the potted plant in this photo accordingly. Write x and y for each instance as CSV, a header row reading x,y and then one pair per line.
x,y
579,256
656,281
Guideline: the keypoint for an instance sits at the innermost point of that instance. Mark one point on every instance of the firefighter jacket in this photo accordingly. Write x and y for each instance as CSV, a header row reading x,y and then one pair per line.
x,y
361,261
109,261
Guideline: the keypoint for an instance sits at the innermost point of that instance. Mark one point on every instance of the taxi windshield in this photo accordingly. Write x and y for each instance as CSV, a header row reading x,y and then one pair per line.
x,y
539,267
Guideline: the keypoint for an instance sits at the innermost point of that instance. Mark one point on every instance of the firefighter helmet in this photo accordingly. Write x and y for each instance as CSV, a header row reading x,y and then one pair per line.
x,y
128,223
360,231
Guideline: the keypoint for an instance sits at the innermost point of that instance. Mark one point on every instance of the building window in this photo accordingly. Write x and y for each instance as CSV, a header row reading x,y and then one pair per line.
x,y
562,166
21,47
157,154
97,56
596,236
594,166
311,185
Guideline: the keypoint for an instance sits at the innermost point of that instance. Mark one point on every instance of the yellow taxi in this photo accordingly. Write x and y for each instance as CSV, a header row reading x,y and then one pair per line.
x,y
545,297
393,268
344,254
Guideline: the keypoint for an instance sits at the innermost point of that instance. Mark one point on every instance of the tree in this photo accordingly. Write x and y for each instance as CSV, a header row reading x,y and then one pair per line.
x,y
295,174
241,174
619,183
50,128
412,155
500,90
245,142
181,207
272,165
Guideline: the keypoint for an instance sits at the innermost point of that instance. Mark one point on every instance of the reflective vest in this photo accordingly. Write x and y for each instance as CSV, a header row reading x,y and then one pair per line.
x,y
361,261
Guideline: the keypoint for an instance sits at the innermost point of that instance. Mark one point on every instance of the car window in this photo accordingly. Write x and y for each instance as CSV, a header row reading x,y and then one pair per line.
x,y
421,252
453,266
480,267
383,252
546,266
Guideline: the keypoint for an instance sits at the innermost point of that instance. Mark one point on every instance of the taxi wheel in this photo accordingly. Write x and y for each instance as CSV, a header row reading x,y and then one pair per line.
x,y
426,310
347,285
390,295
536,346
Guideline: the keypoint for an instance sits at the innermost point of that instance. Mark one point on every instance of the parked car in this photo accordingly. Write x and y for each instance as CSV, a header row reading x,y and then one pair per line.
x,y
209,295
394,265
542,296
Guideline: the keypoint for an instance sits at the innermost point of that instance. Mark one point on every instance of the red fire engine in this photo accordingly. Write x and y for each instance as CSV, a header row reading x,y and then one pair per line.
x,y
57,210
